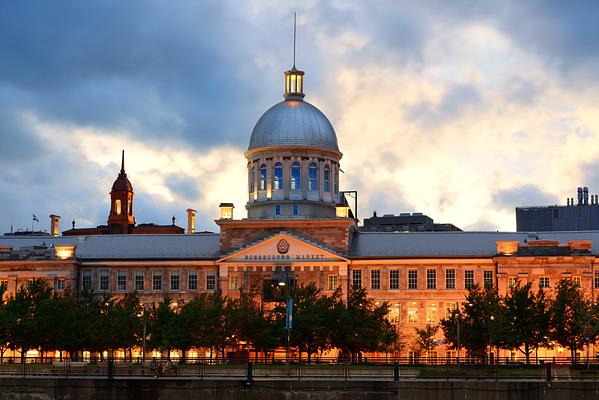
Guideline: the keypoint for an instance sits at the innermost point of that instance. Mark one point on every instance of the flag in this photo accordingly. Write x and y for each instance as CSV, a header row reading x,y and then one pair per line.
x,y
35,218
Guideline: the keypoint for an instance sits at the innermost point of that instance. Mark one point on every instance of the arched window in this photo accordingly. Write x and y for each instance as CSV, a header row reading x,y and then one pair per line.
x,y
278,182
129,207
263,177
252,179
117,207
296,172
327,178
313,177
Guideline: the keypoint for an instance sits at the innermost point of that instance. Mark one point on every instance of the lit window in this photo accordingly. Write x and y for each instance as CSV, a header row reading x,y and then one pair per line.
x,y
86,281
58,285
296,172
511,281
192,281
313,177
278,181
596,279
431,279
544,282
263,177
450,279
375,279
576,281
277,210
327,178
103,281
394,279
117,207
431,313
295,209
157,282
333,282
412,279
234,282
175,281
488,279
139,281
356,279
469,279
121,281
412,312
211,282
450,308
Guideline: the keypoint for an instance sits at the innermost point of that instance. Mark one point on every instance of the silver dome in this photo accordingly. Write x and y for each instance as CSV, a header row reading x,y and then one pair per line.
x,y
294,123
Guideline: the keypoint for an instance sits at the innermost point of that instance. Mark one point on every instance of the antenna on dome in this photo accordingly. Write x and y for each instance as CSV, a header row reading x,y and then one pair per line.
x,y
123,161
294,30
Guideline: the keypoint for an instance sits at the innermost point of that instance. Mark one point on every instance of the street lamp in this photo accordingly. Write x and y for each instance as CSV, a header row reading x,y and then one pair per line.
x,y
285,281
492,318
458,314
144,314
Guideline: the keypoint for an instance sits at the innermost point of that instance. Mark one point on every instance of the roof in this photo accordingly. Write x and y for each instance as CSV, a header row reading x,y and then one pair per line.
x,y
451,244
294,123
200,246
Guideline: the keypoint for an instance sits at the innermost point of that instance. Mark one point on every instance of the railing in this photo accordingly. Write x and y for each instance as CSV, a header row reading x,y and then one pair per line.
x,y
320,368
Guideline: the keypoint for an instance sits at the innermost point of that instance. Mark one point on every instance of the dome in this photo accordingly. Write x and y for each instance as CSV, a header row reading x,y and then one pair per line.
x,y
294,123
122,184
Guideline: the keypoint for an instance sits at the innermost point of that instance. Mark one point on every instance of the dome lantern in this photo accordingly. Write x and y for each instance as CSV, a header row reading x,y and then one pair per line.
x,y
294,84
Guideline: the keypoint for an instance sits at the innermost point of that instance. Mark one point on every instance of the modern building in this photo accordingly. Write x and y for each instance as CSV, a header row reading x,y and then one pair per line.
x,y
298,222
405,222
582,216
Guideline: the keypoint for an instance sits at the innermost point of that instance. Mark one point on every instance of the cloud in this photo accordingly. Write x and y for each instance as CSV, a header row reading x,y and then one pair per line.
x,y
526,195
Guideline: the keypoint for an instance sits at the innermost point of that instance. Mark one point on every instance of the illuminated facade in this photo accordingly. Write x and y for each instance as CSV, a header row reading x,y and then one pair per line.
x,y
298,219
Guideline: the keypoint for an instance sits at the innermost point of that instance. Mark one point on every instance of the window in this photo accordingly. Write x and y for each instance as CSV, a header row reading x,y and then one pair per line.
x,y
469,279
412,279
252,179
103,281
450,308
139,281
488,279
278,181
295,209
356,279
121,281
211,281
4,284
157,281
412,312
296,172
596,279
431,279
511,281
333,282
86,281
544,282
262,177
394,279
175,281
277,210
576,281
327,178
431,313
117,207
192,281
450,279
375,279
58,284
234,282
313,177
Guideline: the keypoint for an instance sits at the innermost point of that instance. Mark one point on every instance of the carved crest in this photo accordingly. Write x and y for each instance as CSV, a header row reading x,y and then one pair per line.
x,y
283,246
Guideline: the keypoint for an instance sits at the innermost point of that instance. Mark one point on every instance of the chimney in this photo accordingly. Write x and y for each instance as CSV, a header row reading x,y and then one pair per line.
x,y
585,195
54,224
579,192
191,221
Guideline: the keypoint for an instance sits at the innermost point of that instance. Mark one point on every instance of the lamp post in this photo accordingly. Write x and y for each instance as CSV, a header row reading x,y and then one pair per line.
x,y
288,310
492,318
459,317
143,313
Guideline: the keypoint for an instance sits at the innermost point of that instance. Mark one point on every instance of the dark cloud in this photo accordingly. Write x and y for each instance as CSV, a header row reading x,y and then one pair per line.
x,y
526,195
183,186
457,100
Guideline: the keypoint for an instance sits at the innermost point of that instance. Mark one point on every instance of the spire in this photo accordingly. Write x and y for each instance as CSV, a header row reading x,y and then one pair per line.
x,y
123,162
294,78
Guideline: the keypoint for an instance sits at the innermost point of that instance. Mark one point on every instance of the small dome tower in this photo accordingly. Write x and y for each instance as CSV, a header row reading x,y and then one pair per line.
x,y
121,218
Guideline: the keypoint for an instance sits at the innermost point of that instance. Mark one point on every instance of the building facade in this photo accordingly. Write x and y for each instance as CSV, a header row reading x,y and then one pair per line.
x,y
297,220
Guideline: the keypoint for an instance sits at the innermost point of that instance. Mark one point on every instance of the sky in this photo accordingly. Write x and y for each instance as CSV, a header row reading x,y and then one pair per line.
x,y
461,110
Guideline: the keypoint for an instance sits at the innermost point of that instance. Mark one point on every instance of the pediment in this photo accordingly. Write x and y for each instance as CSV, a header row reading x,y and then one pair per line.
x,y
282,248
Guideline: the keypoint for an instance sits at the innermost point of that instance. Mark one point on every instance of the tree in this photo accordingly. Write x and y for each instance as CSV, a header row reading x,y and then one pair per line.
x,y
481,322
572,318
425,338
527,319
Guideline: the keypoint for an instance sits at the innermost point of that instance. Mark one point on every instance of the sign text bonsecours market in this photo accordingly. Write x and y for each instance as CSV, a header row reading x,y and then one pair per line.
x,y
274,257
